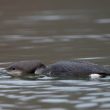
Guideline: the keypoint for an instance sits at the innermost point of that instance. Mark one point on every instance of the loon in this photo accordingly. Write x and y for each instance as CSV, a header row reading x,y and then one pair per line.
x,y
65,69
80,69
22,68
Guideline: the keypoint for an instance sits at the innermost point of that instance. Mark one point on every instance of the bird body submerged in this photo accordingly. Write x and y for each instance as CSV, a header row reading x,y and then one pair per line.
x,y
59,69
75,69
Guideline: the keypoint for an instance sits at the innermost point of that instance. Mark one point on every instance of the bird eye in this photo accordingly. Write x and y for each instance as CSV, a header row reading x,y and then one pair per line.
x,y
13,68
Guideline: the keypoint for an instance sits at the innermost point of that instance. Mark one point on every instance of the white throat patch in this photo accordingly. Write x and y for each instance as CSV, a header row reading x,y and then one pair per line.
x,y
95,76
15,73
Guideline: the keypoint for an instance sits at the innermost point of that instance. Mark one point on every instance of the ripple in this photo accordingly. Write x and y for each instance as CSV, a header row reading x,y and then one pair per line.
x,y
107,105
102,100
81,94
87,98
54,100
53,109
6,106
100,94
86,105
53,38
72,89
91,58
69,89
103,21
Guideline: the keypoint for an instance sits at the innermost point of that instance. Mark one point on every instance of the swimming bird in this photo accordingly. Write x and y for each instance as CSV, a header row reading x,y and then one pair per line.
x,y
22,68
76,69
62,69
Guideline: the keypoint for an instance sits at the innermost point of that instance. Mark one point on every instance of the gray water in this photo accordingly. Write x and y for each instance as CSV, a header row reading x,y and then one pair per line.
x,y
53,30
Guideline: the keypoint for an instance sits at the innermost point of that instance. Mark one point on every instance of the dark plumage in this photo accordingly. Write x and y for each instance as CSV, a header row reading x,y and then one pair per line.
x,y
75,69
59,69
24,67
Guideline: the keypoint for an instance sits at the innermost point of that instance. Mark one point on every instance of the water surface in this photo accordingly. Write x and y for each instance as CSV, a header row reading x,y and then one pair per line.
x,y
54,30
